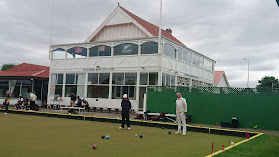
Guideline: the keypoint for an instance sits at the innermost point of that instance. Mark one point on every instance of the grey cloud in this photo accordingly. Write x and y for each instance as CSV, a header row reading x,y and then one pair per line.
x,y
226,31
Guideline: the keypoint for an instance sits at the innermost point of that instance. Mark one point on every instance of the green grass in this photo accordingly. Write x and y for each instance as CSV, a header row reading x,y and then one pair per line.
x,y
265,145
32,136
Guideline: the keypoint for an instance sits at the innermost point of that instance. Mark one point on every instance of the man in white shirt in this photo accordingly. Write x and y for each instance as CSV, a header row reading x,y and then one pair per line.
x,y
181,109
33,98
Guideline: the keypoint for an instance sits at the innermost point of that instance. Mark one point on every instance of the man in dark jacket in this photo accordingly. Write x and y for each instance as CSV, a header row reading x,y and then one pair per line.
x,y
126,106
73,99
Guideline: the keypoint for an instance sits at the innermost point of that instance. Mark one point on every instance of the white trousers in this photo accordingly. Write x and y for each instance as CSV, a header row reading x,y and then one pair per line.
x,y
181,117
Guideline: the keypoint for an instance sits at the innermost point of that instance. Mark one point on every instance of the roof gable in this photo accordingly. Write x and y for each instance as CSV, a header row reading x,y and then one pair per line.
x,y
120,16
153,29
218,76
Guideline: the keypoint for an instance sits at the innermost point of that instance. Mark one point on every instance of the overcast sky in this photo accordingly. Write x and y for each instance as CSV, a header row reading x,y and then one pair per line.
x,y
224,30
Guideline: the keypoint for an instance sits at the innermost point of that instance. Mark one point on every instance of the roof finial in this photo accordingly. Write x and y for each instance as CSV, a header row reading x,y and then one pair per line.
x,y
118,3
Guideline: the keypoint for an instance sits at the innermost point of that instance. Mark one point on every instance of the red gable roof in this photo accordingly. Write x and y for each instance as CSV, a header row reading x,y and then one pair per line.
x,y
26,70
154,30
217,76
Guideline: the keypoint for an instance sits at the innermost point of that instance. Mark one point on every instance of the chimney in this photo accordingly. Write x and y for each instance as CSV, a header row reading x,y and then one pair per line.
x,y
169,30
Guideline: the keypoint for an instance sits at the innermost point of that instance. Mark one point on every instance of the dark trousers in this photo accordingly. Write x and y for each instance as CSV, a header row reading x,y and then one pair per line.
x,y
125,117
32,105
6,107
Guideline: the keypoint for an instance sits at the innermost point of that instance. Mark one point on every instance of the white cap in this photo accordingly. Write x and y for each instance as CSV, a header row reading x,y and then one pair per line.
x,y
125,96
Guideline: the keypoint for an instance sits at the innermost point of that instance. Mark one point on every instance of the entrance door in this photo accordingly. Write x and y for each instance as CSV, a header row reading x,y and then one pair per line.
x,y
142,91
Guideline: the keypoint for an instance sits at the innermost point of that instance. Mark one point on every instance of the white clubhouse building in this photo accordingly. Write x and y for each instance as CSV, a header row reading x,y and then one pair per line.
x,y
122,57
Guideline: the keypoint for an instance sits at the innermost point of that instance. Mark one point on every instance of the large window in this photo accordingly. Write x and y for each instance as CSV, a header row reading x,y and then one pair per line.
x,y
149,47
75,84
211,66
56,85
126,49
98,85
4,87
148,78
100,50
201,62
196,60
96,91
15,88
77,52
169,50
58,54
189,56
180,54
124,83
26,88
38,85
206,64
168,80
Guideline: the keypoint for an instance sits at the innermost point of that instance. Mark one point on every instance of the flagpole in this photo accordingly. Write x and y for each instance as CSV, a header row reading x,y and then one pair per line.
x,y
51,28
160,23
160,47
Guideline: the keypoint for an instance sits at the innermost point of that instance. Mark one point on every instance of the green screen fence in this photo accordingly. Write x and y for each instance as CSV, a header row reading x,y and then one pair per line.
x,y
253,107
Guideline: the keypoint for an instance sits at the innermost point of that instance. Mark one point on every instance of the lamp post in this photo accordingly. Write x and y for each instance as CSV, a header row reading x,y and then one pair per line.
x,y
248,71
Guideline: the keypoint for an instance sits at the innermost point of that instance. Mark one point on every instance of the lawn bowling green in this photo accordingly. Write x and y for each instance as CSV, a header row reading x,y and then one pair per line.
x,y
30,136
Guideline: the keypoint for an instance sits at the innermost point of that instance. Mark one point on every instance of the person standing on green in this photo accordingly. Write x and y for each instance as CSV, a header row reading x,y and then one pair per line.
x,y
126,107
181,109
7,102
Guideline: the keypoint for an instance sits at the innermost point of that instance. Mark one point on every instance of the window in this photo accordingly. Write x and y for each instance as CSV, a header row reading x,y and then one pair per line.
x,y
57,78
206,64
104,78
163,79
126,49
100,89
75,84
189,56
70,89
130,79
77,52
58,90
196,60
211,66
100,50
153,78
95,91
117,78
70,78
185,55
180,54
25,90
92,78
118,91
143,78
56,85
38,88
149,78
58,54
15,88
172,80
149,48
168,80
201,62
124,83
169,50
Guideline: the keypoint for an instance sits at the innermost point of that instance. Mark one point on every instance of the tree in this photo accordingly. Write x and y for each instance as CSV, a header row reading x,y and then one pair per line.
x,y
7,66
266,82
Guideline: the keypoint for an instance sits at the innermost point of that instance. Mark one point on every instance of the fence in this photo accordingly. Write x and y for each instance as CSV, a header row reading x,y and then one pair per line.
x,y
208,105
